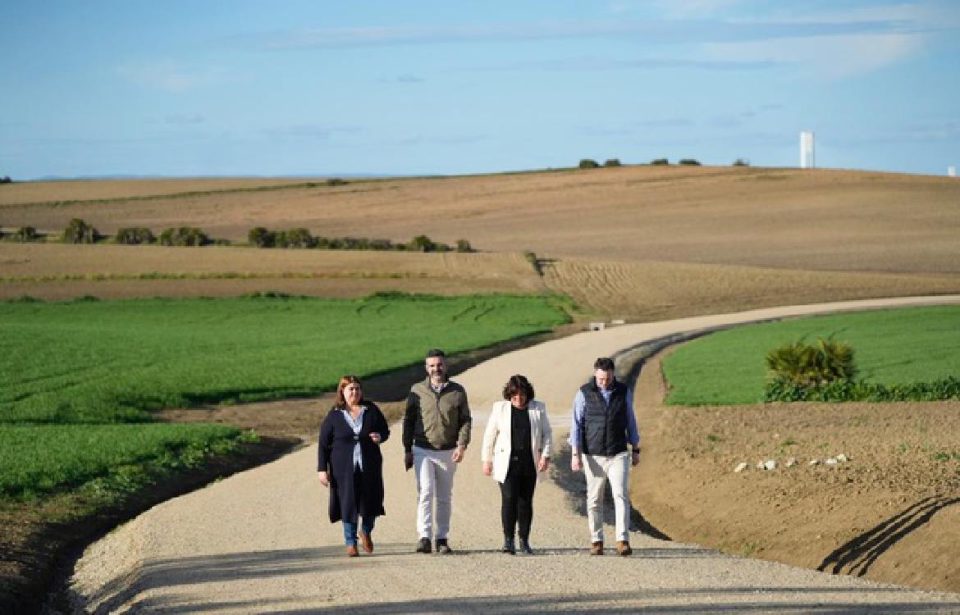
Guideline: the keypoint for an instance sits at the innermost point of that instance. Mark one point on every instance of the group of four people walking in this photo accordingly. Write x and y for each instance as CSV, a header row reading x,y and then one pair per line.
x,y
516,450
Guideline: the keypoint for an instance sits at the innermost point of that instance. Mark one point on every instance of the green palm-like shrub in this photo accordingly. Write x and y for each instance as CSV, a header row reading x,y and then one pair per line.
x,y
812,365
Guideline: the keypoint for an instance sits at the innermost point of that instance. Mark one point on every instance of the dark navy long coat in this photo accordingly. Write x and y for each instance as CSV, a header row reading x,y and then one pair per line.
x,y
353,494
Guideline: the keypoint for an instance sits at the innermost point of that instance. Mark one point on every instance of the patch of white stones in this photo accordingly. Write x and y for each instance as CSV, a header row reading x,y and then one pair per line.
x,y
771,464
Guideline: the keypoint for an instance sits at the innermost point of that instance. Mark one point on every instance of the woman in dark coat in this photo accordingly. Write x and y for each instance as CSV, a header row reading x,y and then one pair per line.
x,y
350,463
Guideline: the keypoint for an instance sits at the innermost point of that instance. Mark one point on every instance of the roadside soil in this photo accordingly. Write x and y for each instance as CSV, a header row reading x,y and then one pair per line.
x,y
889,514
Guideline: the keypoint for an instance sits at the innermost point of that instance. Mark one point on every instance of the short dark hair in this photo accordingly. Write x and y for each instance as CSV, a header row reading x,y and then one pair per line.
x,y
604,363
518,384
436,352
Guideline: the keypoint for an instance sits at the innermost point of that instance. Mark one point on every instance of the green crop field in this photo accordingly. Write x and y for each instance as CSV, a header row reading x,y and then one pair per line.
x,y
892,347
78,380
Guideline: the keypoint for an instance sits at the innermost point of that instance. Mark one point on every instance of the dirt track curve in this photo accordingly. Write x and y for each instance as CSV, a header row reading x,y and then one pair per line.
x,y
260,541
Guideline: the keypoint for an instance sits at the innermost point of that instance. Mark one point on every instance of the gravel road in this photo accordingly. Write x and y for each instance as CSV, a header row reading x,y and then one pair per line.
x,y
260,541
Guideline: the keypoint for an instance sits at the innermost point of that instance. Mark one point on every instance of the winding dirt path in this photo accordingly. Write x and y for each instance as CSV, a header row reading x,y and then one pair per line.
x,y
260,542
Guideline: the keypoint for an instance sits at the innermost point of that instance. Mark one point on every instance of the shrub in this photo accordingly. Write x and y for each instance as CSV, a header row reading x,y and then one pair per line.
x,y
421,243
534,262
811,365
78,231
740,162
6,180
381,244
184,236
336,181
690,162
587,163
261,237
659,161
25,234
134,235
846,390
464,246
612,162
294,238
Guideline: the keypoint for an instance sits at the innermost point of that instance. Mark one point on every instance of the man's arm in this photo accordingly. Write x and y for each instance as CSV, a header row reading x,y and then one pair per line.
x,y
409,424
576,428
633,434
466,423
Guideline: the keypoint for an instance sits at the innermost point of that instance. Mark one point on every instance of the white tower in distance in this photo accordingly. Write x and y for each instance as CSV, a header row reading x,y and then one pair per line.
x,y
807,160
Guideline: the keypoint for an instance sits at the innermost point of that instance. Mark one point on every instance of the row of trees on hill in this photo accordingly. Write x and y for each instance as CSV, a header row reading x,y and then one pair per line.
x,y
80,232
588,163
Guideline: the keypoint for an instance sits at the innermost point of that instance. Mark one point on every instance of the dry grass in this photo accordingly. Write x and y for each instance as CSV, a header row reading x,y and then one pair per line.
x,y
57,271
779,218
634,242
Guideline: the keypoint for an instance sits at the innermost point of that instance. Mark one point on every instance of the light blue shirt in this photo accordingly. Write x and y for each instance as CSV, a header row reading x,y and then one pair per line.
x,y
356,425
576,425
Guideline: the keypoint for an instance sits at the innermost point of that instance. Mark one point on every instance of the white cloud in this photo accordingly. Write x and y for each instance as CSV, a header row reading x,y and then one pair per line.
x,y
169,76
828,57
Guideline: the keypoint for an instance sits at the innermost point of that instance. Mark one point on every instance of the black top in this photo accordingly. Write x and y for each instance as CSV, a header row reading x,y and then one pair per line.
x,y
519,432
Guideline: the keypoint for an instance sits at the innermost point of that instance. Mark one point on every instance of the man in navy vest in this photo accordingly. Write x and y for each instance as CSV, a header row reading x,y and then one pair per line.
x,y
602,427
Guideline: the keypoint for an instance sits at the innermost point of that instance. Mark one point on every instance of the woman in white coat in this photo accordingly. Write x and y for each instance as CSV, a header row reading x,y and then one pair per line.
x,y
516,449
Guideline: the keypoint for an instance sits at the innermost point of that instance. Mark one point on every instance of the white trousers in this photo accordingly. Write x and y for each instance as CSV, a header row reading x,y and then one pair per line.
x,y
435,470
599,469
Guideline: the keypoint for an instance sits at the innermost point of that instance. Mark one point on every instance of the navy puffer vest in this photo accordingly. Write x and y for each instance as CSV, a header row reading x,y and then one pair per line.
x,y
604,427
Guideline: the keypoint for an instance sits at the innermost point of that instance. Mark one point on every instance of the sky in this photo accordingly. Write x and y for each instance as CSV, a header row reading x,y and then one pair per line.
x,y
416,87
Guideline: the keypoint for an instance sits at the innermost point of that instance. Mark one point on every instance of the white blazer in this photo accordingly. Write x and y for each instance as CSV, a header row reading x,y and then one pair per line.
x,y
497,441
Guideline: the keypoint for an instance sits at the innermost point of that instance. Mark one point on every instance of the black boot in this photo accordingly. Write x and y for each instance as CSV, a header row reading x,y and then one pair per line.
x,y
525,547
508,546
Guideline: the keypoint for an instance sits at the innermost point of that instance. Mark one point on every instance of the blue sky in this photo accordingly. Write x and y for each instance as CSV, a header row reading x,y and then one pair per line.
x,y
237,87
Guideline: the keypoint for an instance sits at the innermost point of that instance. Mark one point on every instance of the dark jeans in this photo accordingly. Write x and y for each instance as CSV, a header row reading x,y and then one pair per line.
x,y
516,497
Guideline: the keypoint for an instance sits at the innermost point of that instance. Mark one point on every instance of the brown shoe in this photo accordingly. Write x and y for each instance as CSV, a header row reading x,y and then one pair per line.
x,y
596,548
366,542
623,548
352,551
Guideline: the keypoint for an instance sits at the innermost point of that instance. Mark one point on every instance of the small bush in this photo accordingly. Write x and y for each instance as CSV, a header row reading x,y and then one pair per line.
x,y
25,234
811,365
690,162
612,162
421,243
534,262
659,161
184,236
740,162
134,235
78,231
464,246
587,163
6,180
294,238
261,237
336,181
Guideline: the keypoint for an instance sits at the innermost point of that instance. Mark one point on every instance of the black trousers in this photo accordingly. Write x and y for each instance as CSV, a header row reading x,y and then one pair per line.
x,y
516,497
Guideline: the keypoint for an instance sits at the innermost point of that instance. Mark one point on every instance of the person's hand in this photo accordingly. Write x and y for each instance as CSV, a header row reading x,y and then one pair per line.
x,y
635,457
544,464
487,468
458,454
407,461
375,437
324,480
575,464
